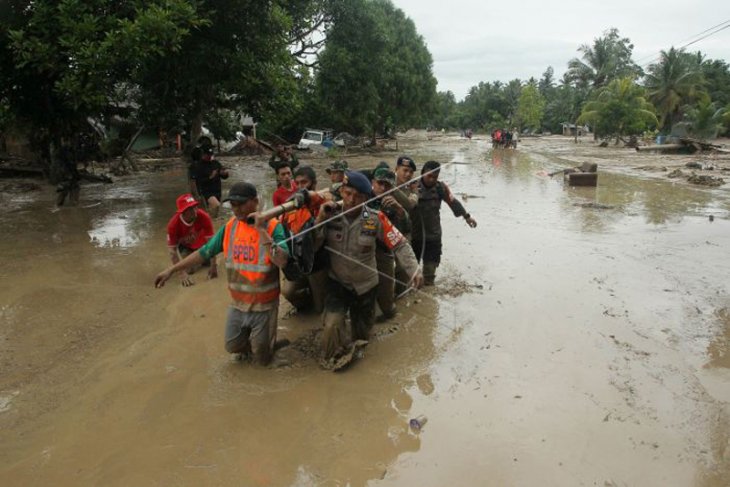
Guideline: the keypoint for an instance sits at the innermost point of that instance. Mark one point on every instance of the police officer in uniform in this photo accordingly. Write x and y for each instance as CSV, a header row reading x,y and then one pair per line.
x,y
350,238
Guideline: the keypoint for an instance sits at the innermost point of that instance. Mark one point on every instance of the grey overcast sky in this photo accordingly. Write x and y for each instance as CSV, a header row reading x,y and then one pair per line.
x,y
487,40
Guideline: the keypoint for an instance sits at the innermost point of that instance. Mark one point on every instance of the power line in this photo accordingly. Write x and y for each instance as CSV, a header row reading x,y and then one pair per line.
x,y
691,37
693,42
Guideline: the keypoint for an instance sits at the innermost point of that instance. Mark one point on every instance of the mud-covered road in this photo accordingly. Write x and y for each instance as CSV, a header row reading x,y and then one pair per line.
x,y
577,336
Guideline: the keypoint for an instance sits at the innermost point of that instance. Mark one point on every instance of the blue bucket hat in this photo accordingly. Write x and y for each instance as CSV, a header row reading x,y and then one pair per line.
x,y
358,181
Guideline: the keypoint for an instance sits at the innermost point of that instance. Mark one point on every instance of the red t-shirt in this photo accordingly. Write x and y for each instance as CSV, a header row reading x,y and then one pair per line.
x,y
192,236
282,194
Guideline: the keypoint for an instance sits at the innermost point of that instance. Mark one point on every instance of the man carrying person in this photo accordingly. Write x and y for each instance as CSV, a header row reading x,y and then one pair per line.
x,y
350,239
205,180
253,255
188,230
306,291
384,181
426,240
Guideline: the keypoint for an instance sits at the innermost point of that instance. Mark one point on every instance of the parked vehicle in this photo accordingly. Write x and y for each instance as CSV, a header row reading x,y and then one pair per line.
x,y
312,137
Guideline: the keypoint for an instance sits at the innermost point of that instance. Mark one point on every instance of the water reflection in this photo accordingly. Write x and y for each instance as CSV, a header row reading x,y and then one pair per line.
x,y
121,229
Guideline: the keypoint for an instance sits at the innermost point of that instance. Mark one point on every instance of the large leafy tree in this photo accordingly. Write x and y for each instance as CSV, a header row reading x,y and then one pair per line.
x,y
619,109
375,72
674,82
61,60
239,61
530,108
167,63
608,58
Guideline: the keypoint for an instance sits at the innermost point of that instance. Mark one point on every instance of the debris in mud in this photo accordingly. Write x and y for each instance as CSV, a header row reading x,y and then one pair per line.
x,y
465,196
595,206
703,180
418,423
677,173
19,187
308,344
352,353
693,165
455,287
652,168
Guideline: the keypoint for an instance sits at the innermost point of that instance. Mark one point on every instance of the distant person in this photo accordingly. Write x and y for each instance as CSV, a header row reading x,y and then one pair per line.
x,y
253,256
336,171
188,230
283,154
426,241
286,184
205,180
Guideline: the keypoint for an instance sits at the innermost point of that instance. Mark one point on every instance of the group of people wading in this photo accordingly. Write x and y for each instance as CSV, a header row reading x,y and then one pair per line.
x,y
504,139
341,250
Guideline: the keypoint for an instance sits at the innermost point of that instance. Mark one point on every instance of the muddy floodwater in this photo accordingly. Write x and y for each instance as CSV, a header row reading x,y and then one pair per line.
x,y
577,336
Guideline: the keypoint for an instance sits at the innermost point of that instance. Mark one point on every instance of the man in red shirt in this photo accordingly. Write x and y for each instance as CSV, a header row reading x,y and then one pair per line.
x,y
287,187
188,230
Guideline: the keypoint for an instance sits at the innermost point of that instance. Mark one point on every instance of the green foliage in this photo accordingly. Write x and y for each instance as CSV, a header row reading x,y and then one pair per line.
x,y
717,80
223,124
530,108
619,109
446,111
704,120
674,82
375,72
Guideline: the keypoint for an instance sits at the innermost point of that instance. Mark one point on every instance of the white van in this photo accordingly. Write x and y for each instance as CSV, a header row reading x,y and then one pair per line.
x,y
313,137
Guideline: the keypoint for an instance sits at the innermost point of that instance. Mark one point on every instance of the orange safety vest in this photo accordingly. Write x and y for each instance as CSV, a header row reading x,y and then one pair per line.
x,y
252,277
294,220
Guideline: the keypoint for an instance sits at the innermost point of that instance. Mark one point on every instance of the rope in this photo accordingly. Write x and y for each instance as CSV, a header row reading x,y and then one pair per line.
x,y
317,225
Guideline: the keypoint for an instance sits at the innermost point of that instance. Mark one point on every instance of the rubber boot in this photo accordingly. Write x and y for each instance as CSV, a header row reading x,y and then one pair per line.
x,y
429,273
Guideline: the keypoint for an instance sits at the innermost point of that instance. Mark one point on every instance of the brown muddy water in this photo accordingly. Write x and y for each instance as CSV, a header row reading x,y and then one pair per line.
x,y
577,336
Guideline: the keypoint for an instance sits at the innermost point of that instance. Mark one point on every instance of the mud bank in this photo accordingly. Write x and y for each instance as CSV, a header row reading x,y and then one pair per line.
x,y
575,337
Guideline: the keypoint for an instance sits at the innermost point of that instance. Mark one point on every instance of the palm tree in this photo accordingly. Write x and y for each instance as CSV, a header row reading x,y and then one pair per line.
x,y
619,109
608,58
704,120
675,81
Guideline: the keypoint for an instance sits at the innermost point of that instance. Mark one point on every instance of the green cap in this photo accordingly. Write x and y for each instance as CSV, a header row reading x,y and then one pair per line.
x,y
384,174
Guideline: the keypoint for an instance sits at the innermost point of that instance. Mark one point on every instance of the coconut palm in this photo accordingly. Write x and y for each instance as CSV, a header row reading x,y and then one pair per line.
x,y
619,109
675,81
608,58
704,120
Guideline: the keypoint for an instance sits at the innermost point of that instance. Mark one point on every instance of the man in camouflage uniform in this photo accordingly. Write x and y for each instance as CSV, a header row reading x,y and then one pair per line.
x,y
336,171
384,181
426,240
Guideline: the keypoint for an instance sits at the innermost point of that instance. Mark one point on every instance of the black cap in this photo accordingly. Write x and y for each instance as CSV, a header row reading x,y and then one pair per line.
x,y
241,192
